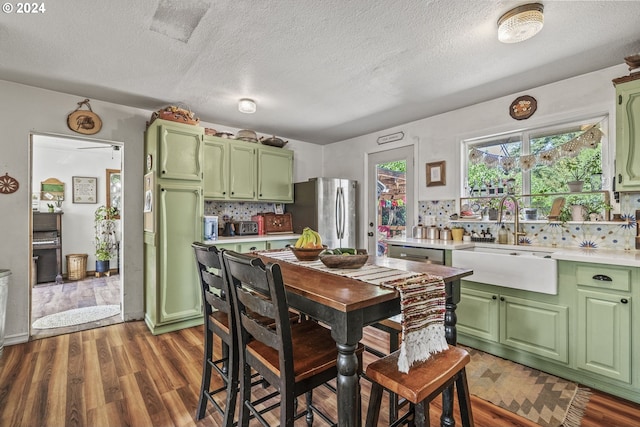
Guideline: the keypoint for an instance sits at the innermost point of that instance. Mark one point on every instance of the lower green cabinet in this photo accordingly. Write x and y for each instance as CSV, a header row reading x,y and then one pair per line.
x,y
604,334
524,324
172,287
585,333
258,245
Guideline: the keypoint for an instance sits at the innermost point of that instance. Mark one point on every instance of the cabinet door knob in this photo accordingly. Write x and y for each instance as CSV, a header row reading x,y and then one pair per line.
x,y
501,298
602,278
494,297
619,178
624,300
253,248
370,234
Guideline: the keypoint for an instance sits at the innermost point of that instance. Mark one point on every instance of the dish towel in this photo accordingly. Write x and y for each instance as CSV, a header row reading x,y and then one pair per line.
x,y
422,304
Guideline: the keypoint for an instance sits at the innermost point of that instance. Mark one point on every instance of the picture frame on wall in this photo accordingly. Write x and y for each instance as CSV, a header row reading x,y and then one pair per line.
x,y
84,189
436,173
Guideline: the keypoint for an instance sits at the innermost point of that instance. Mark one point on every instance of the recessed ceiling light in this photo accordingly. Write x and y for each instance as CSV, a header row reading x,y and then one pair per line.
x,y
247,106
520,23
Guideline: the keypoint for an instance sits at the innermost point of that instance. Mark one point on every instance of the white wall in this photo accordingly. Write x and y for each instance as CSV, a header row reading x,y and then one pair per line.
x,y
439,137
26,109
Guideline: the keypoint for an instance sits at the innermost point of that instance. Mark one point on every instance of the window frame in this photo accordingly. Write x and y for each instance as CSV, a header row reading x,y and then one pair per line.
x,y
526,134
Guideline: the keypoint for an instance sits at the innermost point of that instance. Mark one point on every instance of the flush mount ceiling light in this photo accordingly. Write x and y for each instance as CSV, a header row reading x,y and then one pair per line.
x,y
247,106
520,23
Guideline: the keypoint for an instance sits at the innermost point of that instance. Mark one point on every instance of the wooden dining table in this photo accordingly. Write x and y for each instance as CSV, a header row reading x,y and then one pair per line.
x,y
347,305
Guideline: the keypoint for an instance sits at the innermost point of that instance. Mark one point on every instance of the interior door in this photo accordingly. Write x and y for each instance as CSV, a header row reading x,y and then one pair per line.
x,y
390,193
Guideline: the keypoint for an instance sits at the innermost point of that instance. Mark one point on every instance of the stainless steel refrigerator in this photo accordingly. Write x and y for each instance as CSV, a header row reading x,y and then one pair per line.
x,y
327,205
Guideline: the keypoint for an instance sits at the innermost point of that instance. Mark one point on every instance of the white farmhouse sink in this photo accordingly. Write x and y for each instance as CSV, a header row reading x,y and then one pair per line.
x,y
529,270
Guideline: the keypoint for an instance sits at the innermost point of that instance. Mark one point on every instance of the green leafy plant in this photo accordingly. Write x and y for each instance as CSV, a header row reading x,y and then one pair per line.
x,y
105,232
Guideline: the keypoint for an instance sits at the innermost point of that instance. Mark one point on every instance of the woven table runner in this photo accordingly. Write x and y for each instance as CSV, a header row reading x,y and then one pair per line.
x,y
422,304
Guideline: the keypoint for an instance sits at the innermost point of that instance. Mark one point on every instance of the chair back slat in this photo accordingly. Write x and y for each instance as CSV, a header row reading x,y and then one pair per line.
x,y
214,288
258,289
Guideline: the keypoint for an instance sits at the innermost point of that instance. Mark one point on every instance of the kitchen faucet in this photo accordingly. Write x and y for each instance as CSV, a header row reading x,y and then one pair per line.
x,y
516,216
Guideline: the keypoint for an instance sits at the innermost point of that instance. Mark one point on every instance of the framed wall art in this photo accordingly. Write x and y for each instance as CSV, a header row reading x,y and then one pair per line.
x,y
51,189
84,189
149,223
436,174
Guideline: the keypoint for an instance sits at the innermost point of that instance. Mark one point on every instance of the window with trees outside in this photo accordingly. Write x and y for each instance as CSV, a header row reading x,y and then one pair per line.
x,y
539,163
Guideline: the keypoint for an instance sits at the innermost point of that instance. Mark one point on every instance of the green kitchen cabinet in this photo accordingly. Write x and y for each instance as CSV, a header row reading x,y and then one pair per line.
x,y
478,314
216,168
627,176
177,151
258,245
242,171
245,171
604,320
275,174
514,319
280,244
172,291
173,298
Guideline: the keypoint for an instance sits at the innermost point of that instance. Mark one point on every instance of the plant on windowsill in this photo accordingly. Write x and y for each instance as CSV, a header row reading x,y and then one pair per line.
x,y
105,236
581,166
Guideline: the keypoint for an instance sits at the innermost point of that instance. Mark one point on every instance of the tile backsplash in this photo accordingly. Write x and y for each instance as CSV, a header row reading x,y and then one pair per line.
x,y
238,211
606,235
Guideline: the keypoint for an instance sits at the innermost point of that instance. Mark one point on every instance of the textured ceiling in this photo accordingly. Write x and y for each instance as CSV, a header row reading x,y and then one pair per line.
x,y
320,71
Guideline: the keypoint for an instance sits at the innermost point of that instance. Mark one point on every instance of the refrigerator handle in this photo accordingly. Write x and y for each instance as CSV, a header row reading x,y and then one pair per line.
x,y
340,213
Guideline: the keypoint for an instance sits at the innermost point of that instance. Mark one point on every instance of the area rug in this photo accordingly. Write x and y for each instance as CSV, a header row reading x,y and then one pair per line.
x,y
547,400
76,316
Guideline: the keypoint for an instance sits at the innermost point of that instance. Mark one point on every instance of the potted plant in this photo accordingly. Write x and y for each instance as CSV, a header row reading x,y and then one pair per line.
x,y
105,236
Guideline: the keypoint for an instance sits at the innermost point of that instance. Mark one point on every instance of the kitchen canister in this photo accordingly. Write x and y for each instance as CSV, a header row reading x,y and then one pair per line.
x,y
445,234
433,233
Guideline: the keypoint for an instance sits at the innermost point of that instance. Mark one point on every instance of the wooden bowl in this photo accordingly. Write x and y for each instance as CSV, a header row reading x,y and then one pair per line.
x,y
345,261
307,254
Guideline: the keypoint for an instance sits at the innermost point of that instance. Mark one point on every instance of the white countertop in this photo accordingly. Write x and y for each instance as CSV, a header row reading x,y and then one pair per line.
x,y
629,258
253,238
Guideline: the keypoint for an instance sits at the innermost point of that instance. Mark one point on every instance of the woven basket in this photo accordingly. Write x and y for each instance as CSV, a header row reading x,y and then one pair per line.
x,y
76,266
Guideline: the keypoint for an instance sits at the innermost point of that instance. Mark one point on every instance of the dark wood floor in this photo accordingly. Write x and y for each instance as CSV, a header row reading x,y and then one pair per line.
x,y
49,298
121,375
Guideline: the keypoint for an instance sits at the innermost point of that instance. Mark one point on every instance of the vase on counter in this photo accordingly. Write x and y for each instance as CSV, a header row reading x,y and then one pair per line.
x,y
577,213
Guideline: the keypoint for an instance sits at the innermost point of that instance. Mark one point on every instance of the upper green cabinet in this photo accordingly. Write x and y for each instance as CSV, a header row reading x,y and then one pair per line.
x,y
627,133
179,151
242,168
216,168
275,174
245,171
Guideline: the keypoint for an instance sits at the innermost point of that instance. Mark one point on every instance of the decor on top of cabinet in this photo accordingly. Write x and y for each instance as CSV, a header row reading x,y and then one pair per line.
x,y
523,107
175,114
83,121
273,141
633,61
8,184
247,135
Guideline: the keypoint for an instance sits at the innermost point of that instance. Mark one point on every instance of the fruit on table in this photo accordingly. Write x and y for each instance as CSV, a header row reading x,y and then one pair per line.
x,y
310,239
339,251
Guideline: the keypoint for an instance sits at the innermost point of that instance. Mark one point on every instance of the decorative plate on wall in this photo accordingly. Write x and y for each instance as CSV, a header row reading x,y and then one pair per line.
x,y
83,121
8,184
523,107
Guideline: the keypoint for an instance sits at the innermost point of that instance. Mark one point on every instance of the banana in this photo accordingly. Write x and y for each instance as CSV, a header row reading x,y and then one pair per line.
x,y
318,238
300,242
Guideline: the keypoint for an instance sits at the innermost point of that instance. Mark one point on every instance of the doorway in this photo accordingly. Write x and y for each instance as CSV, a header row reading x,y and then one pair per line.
x,y
70,178
390,196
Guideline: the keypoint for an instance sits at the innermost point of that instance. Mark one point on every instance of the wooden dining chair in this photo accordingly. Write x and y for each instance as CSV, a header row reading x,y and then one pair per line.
x,y
293,358
217,321
220,321
424,382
